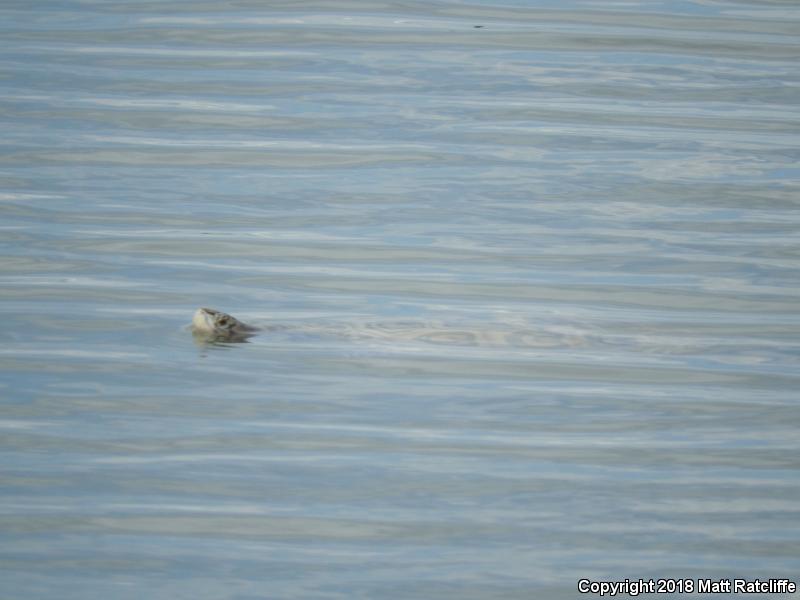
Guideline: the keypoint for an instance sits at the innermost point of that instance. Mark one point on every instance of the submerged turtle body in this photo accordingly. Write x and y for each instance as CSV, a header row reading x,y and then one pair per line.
x,y
219,326
211,326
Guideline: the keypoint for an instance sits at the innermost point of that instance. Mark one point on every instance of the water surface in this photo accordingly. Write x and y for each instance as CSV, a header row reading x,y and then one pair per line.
x,y
527,274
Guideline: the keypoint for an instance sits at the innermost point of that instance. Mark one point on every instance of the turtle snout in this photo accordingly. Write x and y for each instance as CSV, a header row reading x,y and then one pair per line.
x,y
202,321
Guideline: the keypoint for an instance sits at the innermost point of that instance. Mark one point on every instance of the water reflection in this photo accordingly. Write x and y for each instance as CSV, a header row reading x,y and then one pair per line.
x,y
205,340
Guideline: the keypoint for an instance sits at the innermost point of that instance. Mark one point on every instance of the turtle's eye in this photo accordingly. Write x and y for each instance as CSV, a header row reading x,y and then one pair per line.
x,y
224,322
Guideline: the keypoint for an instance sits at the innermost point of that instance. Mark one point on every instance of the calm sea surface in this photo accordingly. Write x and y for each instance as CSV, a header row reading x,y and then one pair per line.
x,y
528,274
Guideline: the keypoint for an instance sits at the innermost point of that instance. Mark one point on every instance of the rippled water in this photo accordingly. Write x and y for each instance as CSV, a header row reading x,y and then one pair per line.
x,y
527,274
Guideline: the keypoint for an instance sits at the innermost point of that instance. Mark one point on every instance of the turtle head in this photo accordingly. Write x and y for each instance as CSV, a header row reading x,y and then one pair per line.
x,y
217,324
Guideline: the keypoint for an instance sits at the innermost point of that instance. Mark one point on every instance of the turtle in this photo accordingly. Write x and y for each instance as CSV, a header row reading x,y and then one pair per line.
x,y
217,326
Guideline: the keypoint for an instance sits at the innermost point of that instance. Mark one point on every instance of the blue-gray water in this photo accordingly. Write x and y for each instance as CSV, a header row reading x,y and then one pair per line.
x,y
528,275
